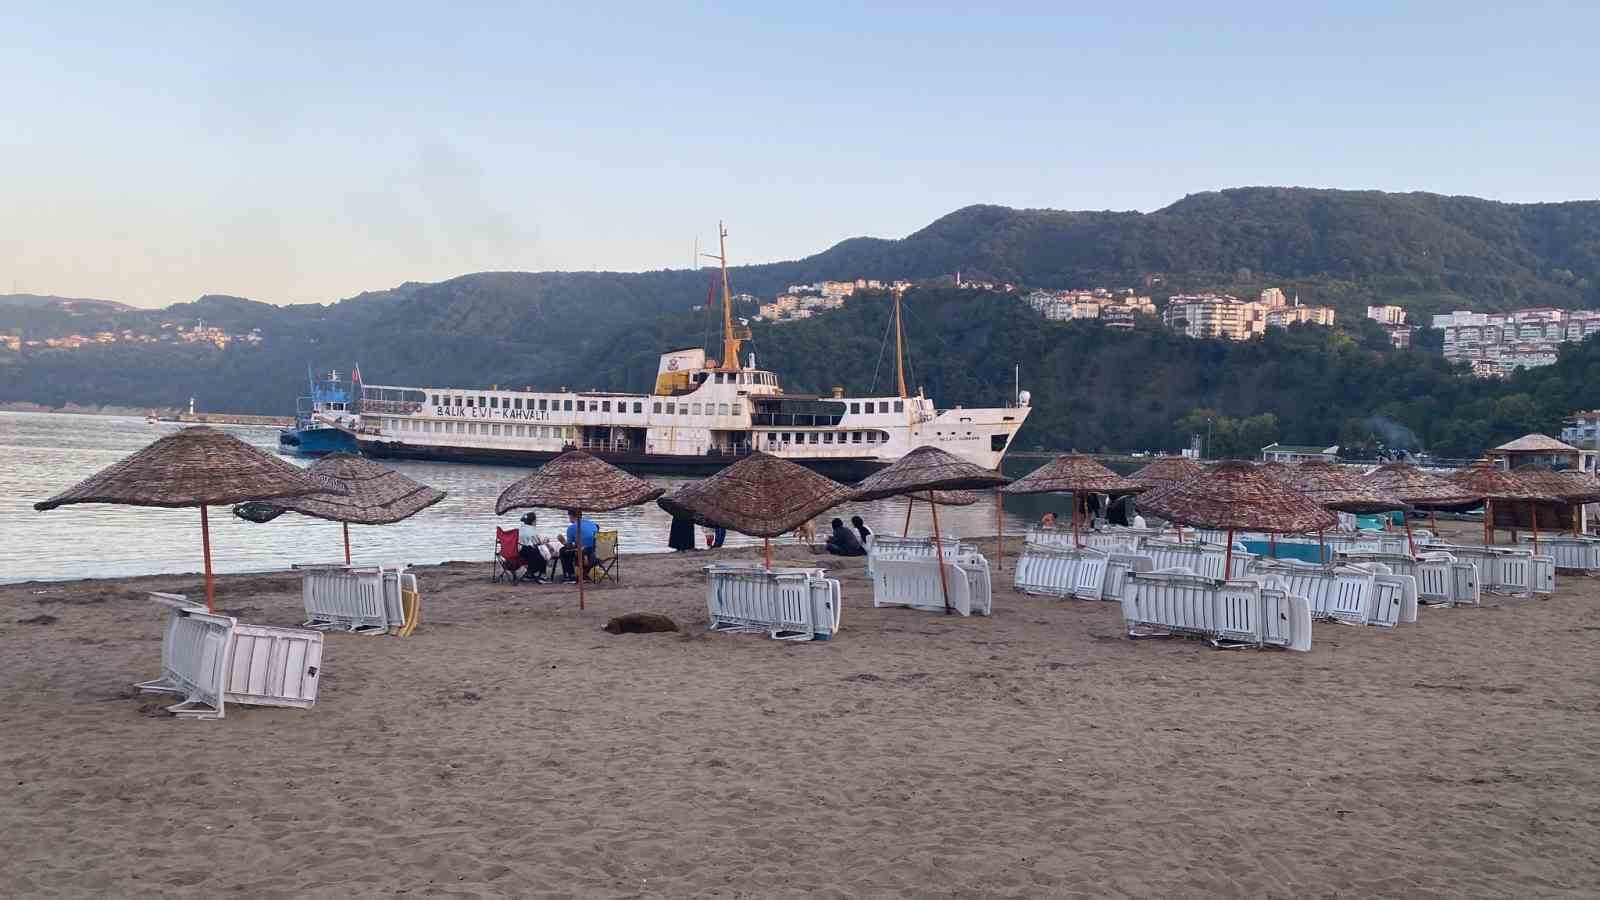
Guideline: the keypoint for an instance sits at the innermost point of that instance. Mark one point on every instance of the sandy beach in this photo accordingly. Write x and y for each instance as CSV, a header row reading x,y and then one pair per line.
x,y
512,748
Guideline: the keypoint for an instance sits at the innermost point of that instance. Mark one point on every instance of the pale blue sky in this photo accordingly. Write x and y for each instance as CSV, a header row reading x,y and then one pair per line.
x,y
304,152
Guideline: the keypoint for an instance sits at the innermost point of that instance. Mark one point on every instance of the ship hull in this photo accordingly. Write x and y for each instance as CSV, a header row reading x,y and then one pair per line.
x,y
839,469
316,441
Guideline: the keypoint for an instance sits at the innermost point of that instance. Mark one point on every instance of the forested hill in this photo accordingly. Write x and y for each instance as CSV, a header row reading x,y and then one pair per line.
x,y
603,329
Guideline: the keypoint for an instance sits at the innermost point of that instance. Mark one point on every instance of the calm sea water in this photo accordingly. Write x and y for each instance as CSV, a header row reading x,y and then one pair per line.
x,y
42,454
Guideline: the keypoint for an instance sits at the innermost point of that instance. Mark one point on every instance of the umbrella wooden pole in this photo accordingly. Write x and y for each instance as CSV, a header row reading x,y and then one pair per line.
x,y
347,543
938,553
1410,542
1533,512
1075,542
577,557
1433,521
1322,548
910,502
1227,558
766,546
1488,522
205,547
1000,531
1272,544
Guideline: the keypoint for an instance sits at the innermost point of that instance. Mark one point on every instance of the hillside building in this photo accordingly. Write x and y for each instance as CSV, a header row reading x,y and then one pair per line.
x,y
1497,344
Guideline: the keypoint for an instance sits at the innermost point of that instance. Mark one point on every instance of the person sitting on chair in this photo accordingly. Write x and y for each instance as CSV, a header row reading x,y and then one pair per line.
x,y
843,541
1048,520
861,529
569,544
535,550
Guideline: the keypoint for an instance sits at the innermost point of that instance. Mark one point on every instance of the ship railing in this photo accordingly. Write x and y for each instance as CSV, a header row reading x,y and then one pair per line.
x,y
396,407
615,445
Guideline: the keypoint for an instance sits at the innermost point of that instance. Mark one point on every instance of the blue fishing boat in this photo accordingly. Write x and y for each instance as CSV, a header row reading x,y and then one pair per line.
x,y
323,421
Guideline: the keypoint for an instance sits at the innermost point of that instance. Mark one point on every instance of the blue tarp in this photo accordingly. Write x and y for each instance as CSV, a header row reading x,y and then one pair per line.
x,y
1298,550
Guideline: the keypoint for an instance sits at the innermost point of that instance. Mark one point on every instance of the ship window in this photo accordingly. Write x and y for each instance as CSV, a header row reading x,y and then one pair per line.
x,y
495,430
872,437
638,408
566,405
899,406
870,409
827,438
813,437
494,402
656,407
522,431
472,427
458,401
722,409
605,406
997,442
543,404
696,409
738,409
855,437
469,401
517,403
855,409
672,409
435,399
481,398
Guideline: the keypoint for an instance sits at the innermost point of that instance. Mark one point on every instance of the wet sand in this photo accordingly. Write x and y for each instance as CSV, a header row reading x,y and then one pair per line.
x,y
512,748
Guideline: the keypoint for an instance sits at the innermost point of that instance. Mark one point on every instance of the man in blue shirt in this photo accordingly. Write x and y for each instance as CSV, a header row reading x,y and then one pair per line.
x,y
569,542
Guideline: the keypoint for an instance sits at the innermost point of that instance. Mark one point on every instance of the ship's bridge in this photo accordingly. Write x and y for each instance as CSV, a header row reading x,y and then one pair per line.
x,y
687,371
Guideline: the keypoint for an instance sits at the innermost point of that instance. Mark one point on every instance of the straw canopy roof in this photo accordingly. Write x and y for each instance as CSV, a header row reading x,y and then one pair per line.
x,y
760,495
927,469
1536,443
194,467
954,498
1167,470
1335,487
1420,489
577,480
1073,474
1492,483
1565,485
373,495
1241,496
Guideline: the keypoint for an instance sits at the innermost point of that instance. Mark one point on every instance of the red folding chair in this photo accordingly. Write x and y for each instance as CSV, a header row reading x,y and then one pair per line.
x,y
507,555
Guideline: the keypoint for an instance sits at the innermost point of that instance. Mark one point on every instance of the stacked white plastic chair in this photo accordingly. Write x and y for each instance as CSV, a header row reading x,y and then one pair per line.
x,y
912,548
1505,570
1575,554
784,604
916,583
358,599
1258,611
1368,594
1201,558
212,660
1440,579
1086,573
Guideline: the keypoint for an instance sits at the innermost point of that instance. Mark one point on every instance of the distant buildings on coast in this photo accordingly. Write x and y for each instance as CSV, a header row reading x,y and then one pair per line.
x,y
170,333
1497,344
1226,316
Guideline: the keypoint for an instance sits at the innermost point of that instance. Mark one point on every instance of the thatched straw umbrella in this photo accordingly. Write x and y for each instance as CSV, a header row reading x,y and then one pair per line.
x,y
1336,488
577,481
926,470
374,494
1567,486
1495,484
761,495
1167,470
1238,495
1073,474
194,467
1422,490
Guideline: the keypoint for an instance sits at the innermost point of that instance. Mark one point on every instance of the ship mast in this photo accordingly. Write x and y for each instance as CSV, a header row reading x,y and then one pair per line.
x,y
732,337
899,347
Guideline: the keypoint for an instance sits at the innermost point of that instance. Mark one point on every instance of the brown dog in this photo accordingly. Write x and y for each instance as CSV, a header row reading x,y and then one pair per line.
x,y
807,532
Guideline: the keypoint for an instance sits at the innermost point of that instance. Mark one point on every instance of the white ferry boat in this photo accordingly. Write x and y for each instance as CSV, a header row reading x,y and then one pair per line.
x,y
703,414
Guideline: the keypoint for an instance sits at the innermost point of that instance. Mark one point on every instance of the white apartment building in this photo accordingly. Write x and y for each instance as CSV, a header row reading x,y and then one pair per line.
x,y
1499,343
1387,315
1226,316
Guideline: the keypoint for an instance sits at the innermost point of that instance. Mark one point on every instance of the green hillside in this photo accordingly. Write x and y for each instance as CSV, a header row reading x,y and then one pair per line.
x,y
1093,388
